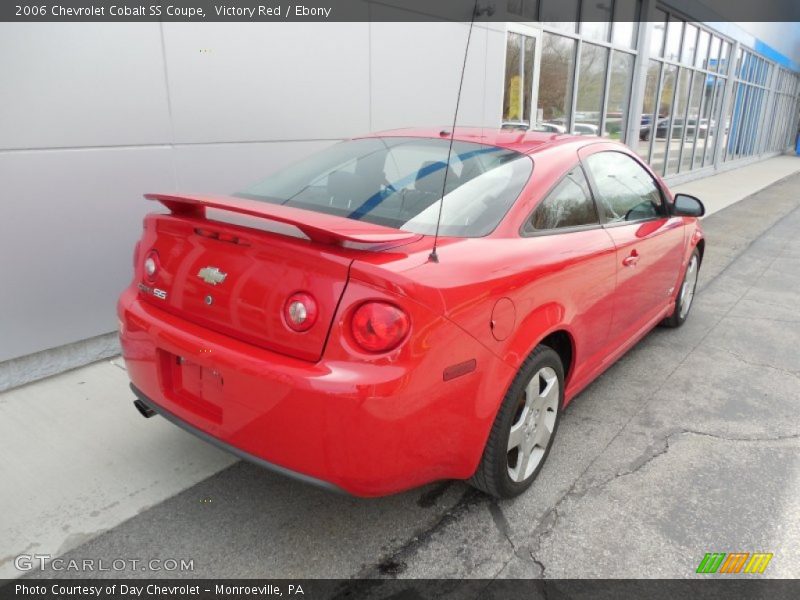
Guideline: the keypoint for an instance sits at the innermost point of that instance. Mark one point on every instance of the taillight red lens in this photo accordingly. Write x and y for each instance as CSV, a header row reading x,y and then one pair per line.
x,y
378,326
300,311
151,265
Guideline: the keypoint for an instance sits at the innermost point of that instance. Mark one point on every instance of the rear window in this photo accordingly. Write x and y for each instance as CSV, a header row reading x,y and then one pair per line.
x,y
397,182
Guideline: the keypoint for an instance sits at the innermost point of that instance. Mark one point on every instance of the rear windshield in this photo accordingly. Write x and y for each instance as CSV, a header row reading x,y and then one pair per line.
x,y
397,182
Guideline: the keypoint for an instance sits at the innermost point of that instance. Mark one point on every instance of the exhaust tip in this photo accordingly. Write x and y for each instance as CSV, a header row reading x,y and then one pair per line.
x,y
143,409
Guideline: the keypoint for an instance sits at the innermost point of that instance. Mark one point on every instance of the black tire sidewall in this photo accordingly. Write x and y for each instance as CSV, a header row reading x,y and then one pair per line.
x,y
543,356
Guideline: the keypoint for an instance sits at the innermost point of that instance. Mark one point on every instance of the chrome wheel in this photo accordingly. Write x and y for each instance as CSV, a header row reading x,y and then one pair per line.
x,y
687,289
533,424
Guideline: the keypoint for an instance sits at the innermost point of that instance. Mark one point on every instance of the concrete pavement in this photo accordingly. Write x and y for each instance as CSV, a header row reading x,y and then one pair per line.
x,y
689,444
729,187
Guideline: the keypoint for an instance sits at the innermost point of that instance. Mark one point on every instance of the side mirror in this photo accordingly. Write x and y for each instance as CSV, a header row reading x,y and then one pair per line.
x,y
687,206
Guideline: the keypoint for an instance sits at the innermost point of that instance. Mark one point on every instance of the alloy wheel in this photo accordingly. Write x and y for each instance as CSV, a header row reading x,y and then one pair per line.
x,y
688,287
533,424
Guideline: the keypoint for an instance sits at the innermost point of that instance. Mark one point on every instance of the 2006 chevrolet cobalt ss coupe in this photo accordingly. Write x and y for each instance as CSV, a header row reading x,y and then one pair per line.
x,y
310,324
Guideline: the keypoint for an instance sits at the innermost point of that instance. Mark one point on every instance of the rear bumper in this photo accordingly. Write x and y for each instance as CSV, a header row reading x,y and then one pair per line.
x,y
367,429
227,447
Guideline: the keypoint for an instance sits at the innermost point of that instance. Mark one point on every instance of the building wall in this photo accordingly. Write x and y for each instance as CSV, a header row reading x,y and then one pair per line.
x,y
94,115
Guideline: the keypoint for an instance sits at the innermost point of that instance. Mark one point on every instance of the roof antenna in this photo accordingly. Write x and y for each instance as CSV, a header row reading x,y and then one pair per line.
x,y
489,10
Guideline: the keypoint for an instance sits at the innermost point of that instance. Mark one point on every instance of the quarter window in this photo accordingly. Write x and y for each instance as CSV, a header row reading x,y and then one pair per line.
x,y
625,190
570,204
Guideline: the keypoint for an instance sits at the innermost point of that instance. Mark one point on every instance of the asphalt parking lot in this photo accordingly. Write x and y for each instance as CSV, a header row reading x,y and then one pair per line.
x,y
689,444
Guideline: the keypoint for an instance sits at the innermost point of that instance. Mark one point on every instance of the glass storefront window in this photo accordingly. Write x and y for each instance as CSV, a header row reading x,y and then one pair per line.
x,y
678,124
661,123
657,34
707,128
646,127
619,94
725,50
701,58
695,126
713,55
738,63
596,21
591,81
672,48
626,26
555,79
552,13
519,78
689,44
721,125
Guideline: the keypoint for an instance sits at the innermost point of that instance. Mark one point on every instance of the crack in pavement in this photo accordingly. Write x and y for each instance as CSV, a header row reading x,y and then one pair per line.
x,y
504,527
752,363
663,448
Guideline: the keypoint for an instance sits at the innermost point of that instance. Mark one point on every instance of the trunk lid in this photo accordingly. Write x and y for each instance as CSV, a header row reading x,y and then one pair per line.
x,y
235,279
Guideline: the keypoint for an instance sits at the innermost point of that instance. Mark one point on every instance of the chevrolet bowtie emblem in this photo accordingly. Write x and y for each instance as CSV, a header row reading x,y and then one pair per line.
x,y
211,275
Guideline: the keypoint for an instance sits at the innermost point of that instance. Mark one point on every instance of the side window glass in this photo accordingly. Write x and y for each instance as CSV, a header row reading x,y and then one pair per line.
x,y
625,190
569,204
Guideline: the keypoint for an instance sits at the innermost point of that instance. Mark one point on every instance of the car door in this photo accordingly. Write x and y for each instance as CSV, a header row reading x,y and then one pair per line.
x,y
648,241
575,260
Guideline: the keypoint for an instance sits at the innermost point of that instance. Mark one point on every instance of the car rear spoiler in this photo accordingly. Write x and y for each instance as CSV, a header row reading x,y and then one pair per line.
x,y
319,227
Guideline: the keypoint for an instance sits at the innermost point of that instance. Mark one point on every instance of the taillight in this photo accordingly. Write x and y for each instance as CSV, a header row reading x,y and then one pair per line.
x,y
151,265
378,326
300,311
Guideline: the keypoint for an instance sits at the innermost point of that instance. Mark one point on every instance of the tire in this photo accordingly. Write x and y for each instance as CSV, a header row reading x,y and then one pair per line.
x,y
685,297
501,473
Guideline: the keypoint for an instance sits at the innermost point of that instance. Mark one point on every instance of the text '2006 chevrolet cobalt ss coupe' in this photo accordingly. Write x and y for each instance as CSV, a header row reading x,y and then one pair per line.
x,y
317,324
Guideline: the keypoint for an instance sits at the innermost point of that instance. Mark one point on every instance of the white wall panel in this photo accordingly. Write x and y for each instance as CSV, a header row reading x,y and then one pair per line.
x,y
70,221
267,81
227,168
81,84
415,78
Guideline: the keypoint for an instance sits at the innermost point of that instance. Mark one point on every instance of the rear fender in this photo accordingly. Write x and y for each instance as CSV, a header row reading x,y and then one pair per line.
x,y
441,420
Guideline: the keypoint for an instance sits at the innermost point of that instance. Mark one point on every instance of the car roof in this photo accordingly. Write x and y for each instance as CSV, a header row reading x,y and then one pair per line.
x,y
526,142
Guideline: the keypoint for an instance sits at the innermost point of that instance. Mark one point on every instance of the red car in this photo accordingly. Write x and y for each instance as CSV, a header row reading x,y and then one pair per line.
x,y
309,325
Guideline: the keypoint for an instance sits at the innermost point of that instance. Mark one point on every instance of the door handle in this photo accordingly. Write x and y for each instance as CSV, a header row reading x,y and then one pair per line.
x,y
631,260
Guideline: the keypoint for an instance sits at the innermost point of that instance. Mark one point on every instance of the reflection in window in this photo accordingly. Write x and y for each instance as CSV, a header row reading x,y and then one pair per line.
x,y
706,108
679,123
591,81
519,78
555,78
701,59
672,48
689,44
596,20
695,127
657,35
560,14
626,17
625,191
570,204
661,123
725,50
723,126
713,55
647,127
619,94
